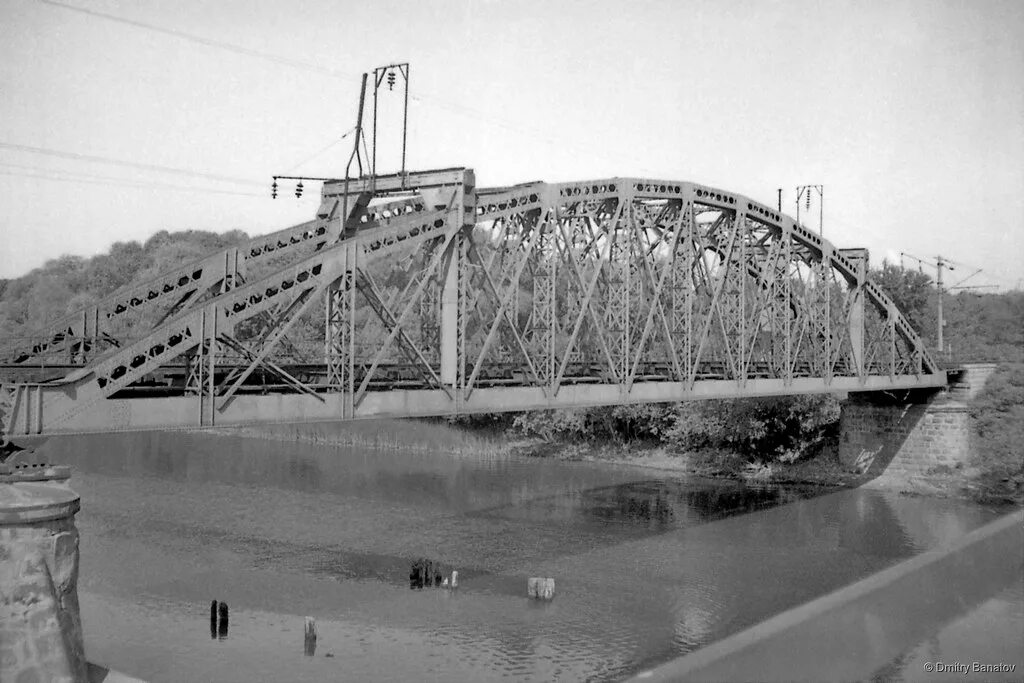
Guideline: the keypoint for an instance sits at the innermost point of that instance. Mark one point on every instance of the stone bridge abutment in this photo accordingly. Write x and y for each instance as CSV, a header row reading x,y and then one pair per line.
x,y
900,437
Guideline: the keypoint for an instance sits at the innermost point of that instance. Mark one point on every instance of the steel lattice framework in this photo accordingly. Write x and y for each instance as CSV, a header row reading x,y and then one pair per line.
x,y
418,294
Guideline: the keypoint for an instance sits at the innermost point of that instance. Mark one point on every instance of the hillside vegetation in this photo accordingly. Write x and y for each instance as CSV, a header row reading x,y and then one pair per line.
x,y
69,283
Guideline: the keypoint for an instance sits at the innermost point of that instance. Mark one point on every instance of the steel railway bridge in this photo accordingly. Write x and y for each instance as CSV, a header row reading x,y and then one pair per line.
x,y
419,294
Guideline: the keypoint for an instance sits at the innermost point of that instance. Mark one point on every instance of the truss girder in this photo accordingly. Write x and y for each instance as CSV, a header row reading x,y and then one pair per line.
x,y
86,334
629,289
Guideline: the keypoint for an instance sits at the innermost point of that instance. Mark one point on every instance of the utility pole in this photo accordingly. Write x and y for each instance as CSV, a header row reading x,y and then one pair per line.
x,y
941,264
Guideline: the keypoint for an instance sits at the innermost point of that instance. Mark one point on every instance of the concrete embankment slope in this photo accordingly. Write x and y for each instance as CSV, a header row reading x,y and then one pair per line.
x,y
853,632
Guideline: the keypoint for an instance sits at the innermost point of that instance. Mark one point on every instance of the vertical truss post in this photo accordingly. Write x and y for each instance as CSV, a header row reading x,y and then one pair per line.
x,y
856,320
461,356
206,398
825,282
544,282
339,332
683,292
586,350
572,302
200,367
450,316
741,264
637,305
454,305
455,291
785,303
617,292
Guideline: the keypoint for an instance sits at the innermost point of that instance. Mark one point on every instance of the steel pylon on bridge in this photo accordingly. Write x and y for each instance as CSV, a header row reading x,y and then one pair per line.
x,y
431,297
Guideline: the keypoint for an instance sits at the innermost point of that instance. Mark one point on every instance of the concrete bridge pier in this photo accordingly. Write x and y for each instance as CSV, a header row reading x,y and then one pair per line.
x,y
903,437
40,626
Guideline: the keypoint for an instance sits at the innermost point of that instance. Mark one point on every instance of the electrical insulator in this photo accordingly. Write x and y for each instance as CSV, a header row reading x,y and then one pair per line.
x,y
273,190
808,199
391,80
298,189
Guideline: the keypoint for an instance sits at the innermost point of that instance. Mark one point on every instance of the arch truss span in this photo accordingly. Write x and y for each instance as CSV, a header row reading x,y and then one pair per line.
x,y
429,296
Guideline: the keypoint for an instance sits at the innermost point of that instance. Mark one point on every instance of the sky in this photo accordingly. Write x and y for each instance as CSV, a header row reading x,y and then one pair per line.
x,y
909,113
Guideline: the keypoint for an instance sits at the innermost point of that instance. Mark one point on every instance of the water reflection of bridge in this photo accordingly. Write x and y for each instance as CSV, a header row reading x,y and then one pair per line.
x,y
421,295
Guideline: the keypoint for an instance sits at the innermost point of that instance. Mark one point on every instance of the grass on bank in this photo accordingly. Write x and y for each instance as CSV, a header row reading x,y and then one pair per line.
x,y
997,420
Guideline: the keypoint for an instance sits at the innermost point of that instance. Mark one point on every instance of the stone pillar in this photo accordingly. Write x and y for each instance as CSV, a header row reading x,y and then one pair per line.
x,y
911,439
40,626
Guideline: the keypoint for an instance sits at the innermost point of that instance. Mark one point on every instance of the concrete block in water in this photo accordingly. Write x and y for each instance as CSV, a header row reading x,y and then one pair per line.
x,y
540,588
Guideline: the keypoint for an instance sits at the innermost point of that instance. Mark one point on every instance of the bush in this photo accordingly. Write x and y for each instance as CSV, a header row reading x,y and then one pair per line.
x,y
620,424
765,429
778,428
552,424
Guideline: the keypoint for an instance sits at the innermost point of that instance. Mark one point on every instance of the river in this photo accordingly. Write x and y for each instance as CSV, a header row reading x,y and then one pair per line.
x,y
647,565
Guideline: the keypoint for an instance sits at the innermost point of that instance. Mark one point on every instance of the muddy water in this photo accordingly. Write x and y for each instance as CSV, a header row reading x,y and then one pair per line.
x,y
647,566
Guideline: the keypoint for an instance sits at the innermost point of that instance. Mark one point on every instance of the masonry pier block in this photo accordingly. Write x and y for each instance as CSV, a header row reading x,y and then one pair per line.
x,y
902,436
912,438
40,626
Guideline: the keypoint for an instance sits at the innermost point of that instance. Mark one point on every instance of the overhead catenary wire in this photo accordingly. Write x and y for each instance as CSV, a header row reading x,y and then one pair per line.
x,y
321,150
312,67
117,182
209,42
65,154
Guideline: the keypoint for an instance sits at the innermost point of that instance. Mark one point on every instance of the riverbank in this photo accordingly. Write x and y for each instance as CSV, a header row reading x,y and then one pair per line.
x,y
823,468
819,467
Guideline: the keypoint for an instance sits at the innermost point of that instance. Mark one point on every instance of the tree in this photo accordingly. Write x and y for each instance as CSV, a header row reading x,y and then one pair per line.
x,y
986,327
913,294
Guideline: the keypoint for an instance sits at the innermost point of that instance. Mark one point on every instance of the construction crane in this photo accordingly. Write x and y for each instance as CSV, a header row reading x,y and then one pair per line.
x,y
939,264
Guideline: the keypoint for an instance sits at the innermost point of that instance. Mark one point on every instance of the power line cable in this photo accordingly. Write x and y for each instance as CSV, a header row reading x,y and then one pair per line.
x,y
101,180
129,164
209,42
321,151
456,108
